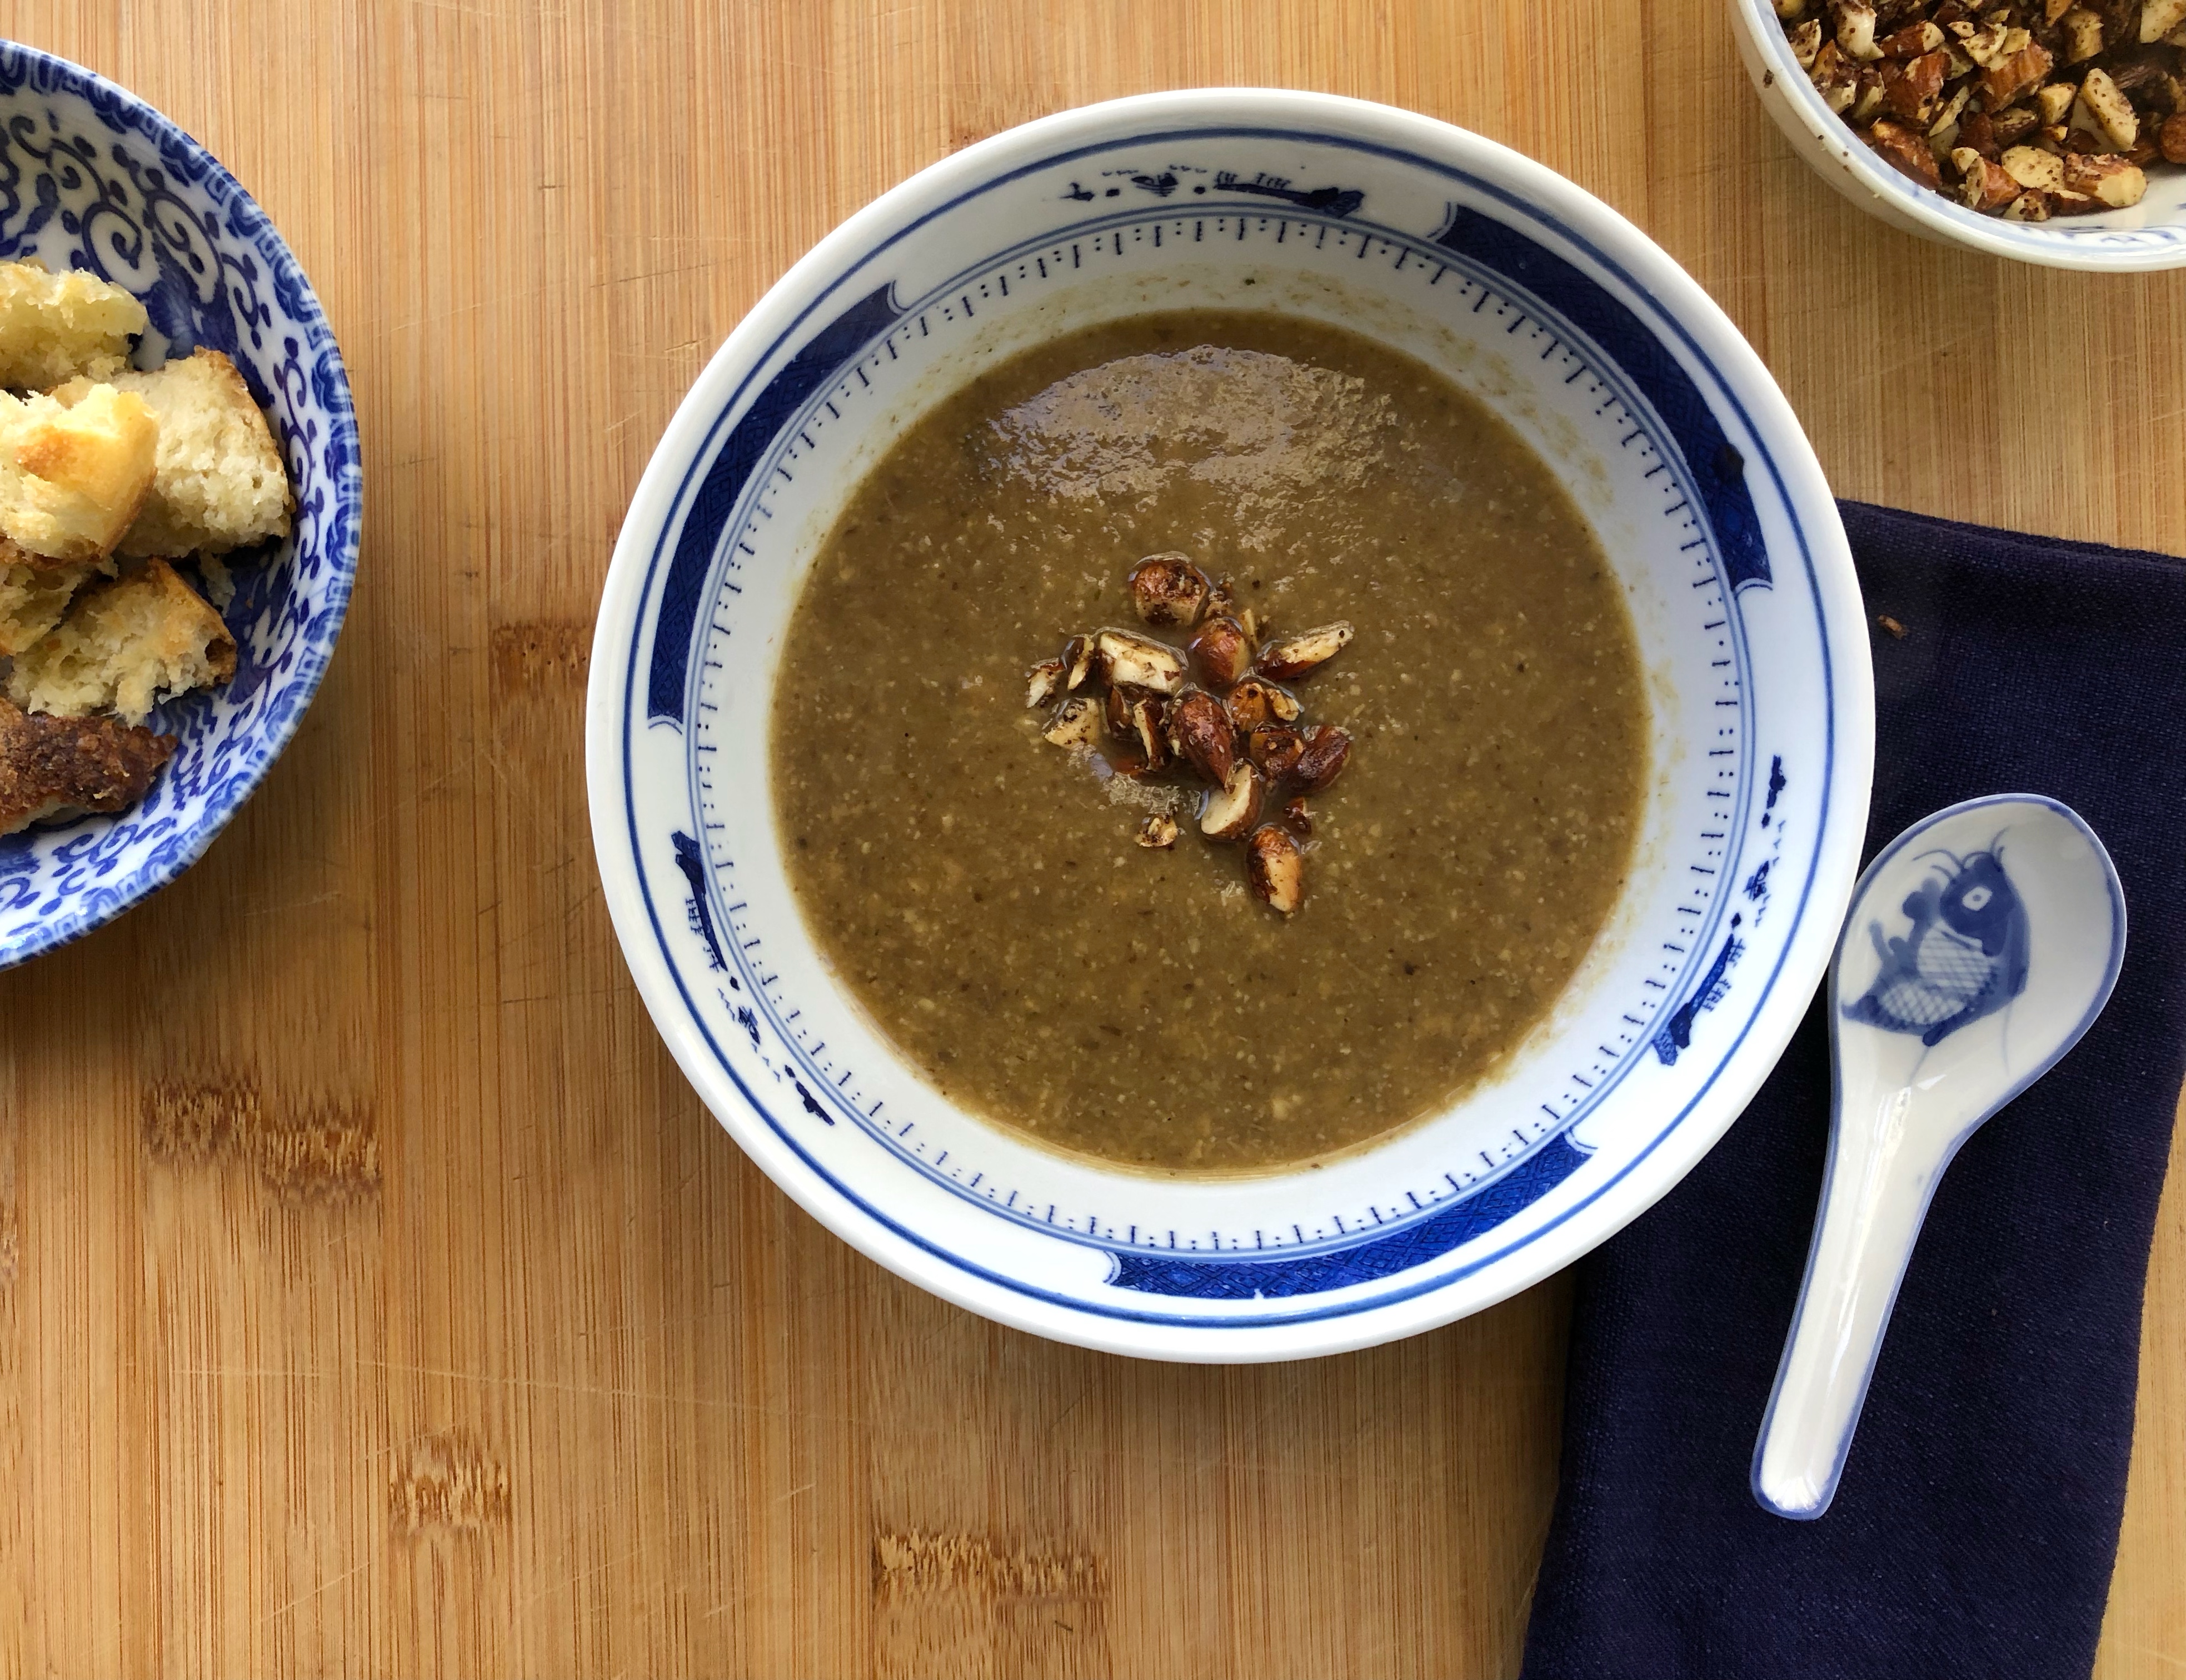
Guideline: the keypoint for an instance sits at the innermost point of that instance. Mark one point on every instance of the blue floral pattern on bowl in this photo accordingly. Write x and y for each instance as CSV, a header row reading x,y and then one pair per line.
x,y
91,177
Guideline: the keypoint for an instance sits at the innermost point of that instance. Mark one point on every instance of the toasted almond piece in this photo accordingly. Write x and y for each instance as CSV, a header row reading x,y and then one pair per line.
x,y
1042,682
1869,100
1912,41
2032,167
1158,832
1203,735
1221,652
2054,9
1223,602
1252,703
2117,184
1905,151
2052,103
1137,662
1150,723
1076,723
1276,869
2031,205
1909,89
1116,714
2112,111
2172,138
1168,589
1078,659
1946,119
2005,128
1835,77
2063,203
1983,185
1298,818
1294,656
1232,809
2080,33
1986,45
1806,41
1856,29
1327,750
2158,18
1275,749
1789,11
2003,83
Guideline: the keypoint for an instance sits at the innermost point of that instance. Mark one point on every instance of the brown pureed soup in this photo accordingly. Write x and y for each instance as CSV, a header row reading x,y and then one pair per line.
x,y
980,890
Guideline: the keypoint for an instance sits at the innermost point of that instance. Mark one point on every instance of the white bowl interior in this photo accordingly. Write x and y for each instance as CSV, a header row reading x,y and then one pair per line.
x,y
1741,685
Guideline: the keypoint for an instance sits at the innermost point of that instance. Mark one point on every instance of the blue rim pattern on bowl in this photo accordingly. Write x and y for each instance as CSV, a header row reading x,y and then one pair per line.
x,y
146,206
1660,402
700,514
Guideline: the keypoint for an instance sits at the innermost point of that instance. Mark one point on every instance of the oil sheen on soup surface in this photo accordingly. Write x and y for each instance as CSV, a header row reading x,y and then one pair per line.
x,y
980,889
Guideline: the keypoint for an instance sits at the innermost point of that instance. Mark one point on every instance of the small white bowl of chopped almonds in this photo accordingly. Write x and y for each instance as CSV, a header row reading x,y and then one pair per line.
x,y
2050,130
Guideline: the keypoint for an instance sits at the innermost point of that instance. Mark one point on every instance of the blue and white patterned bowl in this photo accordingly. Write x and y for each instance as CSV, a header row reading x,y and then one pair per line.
x,y
1651,407
2151,235
92,178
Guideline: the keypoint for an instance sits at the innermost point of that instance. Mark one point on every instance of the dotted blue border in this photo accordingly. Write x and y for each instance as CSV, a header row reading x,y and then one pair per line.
x,y
1596,360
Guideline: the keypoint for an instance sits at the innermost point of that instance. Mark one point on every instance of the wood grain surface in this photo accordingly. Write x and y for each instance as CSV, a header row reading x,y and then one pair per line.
x,y
375,1297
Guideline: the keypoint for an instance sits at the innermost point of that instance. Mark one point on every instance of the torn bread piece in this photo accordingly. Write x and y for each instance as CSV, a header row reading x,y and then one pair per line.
x,y
58,767
72,477
220,483
34,593
55,327
124,647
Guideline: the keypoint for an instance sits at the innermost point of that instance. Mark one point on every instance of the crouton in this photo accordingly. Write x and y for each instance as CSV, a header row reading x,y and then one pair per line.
x,y
63,767
53,327
125,647
220,483
73,476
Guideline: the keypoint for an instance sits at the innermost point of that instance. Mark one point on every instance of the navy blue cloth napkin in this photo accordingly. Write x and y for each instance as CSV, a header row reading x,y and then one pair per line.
x,y
1975,1528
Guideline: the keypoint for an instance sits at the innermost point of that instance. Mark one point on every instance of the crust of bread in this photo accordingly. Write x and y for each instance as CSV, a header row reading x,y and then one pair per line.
x,y
53,767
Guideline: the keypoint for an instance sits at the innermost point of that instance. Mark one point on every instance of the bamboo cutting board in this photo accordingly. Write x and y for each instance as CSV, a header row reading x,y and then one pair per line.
x,y
375,1298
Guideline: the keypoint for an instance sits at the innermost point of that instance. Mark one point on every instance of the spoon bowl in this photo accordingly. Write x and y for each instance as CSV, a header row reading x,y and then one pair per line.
x,y
1981,944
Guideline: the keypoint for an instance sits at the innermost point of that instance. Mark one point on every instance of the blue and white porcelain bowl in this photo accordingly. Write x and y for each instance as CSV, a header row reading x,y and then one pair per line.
x,y
92,178
2151,235
1524,290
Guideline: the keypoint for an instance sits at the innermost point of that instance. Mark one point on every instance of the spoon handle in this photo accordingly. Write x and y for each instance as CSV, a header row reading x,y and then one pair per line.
x,y
1881,1173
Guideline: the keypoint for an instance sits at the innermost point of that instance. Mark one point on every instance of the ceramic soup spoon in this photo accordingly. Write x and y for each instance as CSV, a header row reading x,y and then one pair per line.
x,y
1981,944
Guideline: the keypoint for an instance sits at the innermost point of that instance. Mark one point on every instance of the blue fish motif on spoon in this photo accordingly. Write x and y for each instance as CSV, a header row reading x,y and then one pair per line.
x,y
1965,957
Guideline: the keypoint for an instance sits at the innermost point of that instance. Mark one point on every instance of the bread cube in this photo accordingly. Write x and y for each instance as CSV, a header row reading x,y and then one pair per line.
x,y
53,327
125,647
60,767
72,476
33,594
220,483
